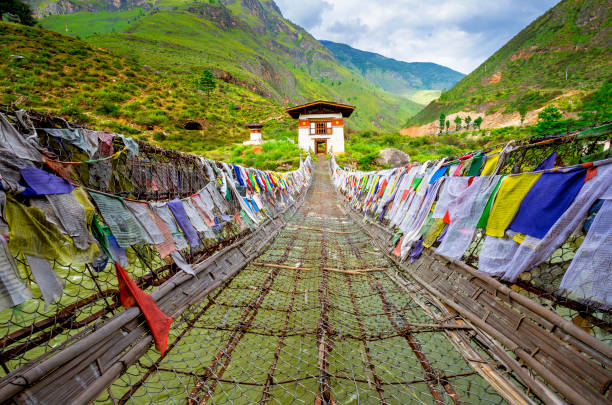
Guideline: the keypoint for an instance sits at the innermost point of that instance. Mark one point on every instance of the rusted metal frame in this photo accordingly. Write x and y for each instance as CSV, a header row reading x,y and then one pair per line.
x,y
155,365
244,323
34,371
430,374
553,355
542,391
309,377
68,314
546,315
108,304
377,380
66,321
270,378
362,337
584,310
325,333
15,351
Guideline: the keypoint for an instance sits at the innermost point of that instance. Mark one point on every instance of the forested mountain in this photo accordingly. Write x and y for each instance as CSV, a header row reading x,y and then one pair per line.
x,y
244,42
408,79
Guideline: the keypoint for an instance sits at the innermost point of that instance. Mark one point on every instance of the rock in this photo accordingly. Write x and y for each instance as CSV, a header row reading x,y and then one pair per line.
x,y
392,157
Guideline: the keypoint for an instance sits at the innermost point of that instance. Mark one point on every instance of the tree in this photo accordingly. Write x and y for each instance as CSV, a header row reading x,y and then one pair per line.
x,y
477,122
207,81
442,118
447,125
598,107
457,122
550,113
468,119
523,112
19,9
549,120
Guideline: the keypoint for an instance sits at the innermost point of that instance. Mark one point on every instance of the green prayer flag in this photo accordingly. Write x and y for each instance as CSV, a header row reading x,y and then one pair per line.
x,y
484,218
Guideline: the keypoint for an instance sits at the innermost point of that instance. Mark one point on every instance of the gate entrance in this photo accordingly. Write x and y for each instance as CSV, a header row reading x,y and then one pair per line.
x,y
321,146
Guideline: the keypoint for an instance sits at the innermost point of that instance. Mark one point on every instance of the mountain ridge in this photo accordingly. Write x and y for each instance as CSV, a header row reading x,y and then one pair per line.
x,y
561,57
394,75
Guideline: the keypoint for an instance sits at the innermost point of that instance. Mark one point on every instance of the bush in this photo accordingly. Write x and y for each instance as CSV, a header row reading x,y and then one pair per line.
x,y
108,108
159,136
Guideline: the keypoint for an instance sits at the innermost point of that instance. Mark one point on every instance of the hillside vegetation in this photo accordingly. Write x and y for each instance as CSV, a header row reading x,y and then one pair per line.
x,y
566,51
51,72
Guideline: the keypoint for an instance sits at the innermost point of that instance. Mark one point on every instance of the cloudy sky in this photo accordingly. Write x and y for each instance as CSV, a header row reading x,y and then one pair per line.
x,y
459,34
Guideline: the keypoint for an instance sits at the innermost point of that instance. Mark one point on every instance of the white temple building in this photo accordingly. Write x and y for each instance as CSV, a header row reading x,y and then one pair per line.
x,y
321,126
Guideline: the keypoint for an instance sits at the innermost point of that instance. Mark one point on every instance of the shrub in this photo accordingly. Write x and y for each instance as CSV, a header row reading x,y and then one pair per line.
x,y
159,136
108,108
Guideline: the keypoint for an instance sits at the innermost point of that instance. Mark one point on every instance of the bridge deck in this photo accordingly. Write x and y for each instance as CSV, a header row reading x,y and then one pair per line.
x,y
299,326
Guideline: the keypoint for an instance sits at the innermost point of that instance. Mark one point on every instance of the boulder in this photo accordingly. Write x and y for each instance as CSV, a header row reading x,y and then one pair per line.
x,y
392,157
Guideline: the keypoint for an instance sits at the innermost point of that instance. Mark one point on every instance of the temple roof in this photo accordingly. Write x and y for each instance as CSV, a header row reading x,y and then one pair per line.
x,y
321,107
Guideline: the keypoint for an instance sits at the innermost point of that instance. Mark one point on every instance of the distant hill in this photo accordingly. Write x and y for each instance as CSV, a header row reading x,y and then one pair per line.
x,y
403,78
563,55
247,43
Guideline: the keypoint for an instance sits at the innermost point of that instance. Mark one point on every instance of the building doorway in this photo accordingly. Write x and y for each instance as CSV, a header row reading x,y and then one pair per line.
x,y
321,147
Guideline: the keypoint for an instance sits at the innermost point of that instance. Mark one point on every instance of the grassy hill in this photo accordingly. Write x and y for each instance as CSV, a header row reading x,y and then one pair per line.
x,y
246,43
419,81
52,72
566,51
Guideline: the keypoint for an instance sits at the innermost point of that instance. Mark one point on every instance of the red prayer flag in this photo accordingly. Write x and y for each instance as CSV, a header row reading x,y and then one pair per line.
x,y
591,172
446,218
398,248
131,295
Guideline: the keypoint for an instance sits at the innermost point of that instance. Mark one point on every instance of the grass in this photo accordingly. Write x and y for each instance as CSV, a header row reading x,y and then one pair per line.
x,y
84,24
423,97
65,76
363,147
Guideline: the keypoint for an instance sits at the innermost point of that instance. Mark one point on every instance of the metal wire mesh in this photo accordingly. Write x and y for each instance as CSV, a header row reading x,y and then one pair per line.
x,y
296,326
90,295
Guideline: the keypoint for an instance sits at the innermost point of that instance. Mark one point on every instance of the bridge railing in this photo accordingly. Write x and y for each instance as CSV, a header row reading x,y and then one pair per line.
x,y
410,222
53,293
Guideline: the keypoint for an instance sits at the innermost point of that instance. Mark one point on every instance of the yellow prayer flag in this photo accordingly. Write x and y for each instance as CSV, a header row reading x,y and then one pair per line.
x,y
491,163
507,202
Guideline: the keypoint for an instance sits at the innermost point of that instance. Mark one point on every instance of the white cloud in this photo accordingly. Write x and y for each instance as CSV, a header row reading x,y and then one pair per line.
x,y
459,34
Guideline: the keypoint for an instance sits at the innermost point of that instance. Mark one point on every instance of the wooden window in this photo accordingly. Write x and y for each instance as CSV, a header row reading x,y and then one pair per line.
x,y
320,127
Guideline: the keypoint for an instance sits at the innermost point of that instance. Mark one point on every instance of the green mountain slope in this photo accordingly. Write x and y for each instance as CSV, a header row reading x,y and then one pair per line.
x,y
395,76
244,42
568,50
50,72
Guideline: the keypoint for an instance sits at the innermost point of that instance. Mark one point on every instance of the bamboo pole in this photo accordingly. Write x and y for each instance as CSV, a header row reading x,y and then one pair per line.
x,y
563,324
15,382
325,230
509,391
